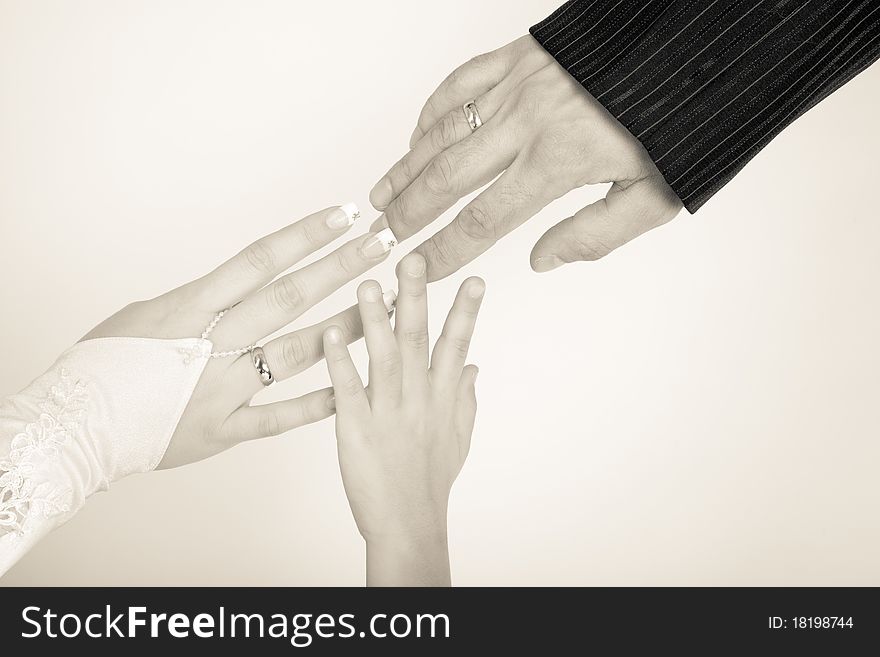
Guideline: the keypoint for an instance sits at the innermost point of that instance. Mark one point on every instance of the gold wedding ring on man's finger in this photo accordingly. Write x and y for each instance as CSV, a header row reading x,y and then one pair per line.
x,y
472,114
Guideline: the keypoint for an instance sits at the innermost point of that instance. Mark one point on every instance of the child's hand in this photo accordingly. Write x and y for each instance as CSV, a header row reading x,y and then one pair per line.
x,y
403,441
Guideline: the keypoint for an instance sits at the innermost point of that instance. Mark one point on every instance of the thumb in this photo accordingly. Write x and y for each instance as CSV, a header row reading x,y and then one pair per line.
x,y
466,407
627,211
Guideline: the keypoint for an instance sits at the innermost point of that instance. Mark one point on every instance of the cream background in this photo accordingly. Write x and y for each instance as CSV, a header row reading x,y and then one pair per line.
x,y
700,407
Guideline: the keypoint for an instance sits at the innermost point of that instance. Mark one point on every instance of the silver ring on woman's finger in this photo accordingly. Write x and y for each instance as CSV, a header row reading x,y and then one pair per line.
x,y
472,114
258,357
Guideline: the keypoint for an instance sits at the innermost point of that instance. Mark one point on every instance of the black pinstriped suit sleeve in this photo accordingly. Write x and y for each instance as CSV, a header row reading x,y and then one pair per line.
x,y
706,85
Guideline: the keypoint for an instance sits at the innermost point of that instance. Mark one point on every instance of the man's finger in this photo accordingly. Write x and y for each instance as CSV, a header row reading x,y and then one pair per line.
x,y
468,81
624,214
507,203
454,173
451,129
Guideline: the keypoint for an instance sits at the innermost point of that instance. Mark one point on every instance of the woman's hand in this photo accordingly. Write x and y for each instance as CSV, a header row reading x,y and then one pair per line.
x,y
545,136
403,441
219,414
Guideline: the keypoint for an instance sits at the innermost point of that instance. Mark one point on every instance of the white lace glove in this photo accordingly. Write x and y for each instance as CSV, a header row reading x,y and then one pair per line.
x,y
106,409
113,406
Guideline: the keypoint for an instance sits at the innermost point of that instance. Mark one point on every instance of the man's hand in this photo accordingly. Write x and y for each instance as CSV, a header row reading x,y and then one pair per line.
x,y
546,136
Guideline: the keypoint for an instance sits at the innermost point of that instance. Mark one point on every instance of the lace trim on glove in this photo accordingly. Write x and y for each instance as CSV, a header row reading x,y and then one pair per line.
x,y
42,440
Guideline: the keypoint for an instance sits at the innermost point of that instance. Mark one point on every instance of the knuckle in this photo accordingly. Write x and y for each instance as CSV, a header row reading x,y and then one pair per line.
x,y
454,80
269,424
440,174
344,263
404,169
430,109
415,292
294,352
417,338
350,323
477,223
444,134
592,247
440,253
288,294
548,150
338,356
351,386
389,364
481,62
397,214
260,257
378,318
460,345
311,235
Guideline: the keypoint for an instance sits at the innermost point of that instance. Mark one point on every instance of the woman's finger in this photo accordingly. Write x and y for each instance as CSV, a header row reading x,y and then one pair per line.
x,y
269,256
350,397
449,130
250,422
450,352
289,354
411,323
385,364
282,301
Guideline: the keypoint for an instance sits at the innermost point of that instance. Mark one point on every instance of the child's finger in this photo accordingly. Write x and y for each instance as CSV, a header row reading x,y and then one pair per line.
x,y
451,349
411,324
466,407
351,398
385,376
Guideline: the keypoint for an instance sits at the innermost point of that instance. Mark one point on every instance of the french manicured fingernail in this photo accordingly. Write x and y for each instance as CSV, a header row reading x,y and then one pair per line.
x,y
381,194
333,335
546,263
380,223
476,289
476,373
331,402
343,216
416,135
378,244
389,298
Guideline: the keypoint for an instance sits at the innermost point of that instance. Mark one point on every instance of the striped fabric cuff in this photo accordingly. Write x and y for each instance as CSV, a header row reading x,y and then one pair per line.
x,y
706,85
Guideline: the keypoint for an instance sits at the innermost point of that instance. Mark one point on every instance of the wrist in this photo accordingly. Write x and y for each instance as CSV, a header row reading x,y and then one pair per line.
x,y
408,559
410,541
408,529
